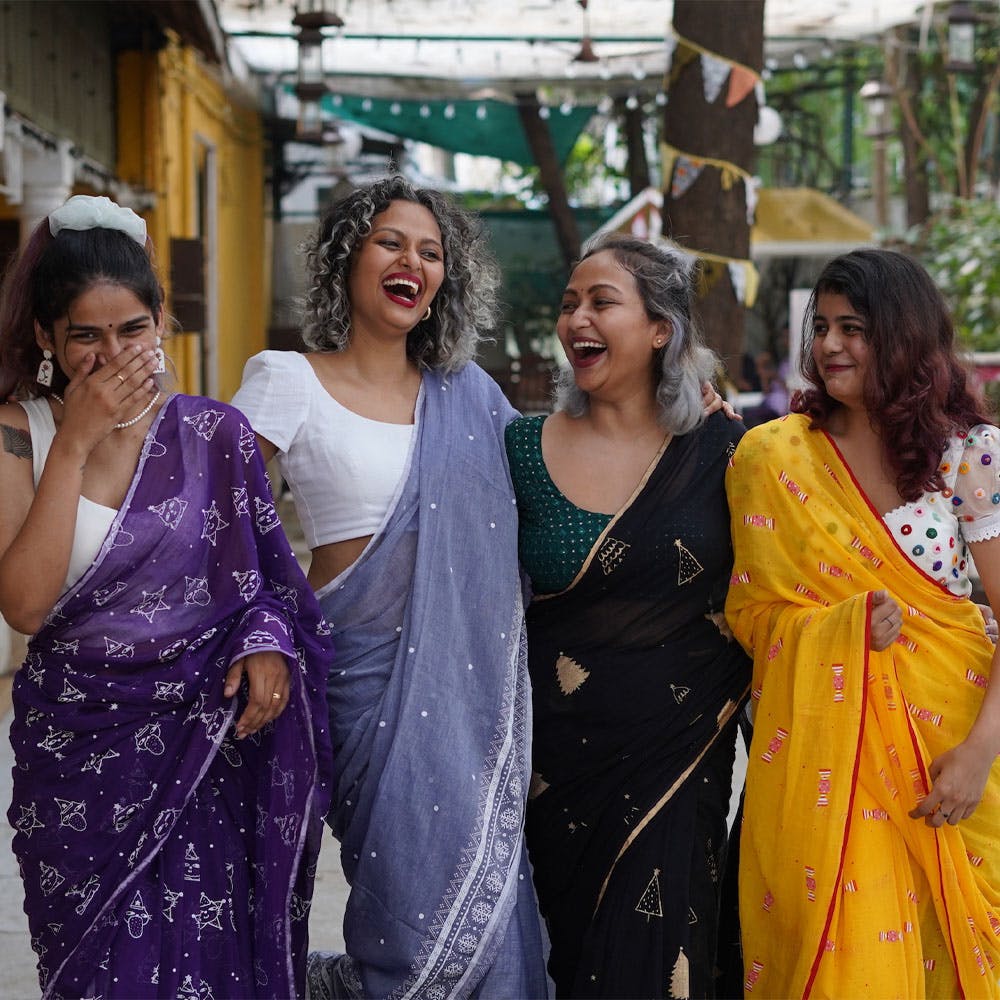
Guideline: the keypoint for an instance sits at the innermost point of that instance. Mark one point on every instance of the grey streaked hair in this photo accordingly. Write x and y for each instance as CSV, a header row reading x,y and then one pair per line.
x,y
665,279
463,312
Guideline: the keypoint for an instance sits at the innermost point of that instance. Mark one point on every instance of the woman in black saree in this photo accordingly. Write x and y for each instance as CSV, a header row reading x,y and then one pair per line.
x,y
624,532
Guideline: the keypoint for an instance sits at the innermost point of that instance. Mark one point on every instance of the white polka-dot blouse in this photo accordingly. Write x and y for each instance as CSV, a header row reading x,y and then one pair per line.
x,y
933,530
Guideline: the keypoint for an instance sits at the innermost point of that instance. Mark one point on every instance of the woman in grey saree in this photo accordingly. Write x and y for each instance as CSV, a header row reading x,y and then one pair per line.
x,y
414,542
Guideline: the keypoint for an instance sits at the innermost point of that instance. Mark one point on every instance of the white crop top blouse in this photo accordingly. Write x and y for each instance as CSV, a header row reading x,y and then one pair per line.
x,y
343,469
93,520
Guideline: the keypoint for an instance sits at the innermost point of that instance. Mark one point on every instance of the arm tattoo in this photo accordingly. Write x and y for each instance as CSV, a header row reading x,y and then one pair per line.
x,y
16,442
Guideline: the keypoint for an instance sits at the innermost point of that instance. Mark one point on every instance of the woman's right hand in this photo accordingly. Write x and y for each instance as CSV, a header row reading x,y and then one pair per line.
x,y
886,621
97,398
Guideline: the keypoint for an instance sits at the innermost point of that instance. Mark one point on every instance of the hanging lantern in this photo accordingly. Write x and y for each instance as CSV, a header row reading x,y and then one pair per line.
x,y
961,38
877,94
311,16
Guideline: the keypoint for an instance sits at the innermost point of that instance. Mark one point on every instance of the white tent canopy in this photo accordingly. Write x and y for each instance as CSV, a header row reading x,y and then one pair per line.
x,y
493,43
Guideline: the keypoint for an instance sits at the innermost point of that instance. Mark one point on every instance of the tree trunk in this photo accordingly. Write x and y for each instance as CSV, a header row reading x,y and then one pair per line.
x,y
707,217
907,70
638,166
536,131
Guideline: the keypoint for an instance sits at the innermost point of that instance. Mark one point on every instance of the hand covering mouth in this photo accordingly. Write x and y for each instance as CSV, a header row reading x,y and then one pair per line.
x,y
403,288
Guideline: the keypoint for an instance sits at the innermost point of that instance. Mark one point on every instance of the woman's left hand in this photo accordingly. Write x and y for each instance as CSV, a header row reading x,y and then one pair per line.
x,y
267,673
958,778
990,621
712,401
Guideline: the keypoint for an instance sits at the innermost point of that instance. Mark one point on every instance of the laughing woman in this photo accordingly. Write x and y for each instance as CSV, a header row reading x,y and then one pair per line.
x,y
166,814
625,535
391,440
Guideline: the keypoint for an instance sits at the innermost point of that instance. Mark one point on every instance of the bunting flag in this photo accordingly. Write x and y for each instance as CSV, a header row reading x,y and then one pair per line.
x,y
714,73
681,50
738,279
730,173
681,170
669,43
686,172
741,82
751,188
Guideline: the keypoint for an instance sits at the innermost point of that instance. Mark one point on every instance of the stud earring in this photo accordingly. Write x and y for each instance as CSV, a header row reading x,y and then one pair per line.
x,y
161,361
427,315
45,368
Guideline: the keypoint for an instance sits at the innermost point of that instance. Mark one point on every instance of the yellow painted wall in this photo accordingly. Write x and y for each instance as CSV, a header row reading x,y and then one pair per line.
x,y
170,106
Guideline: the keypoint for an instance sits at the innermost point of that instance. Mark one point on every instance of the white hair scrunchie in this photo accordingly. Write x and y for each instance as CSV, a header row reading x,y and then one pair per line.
x,y
83,211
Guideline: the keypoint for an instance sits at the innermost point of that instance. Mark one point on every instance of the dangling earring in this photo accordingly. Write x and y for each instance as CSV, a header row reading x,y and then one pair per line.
x,y
427,315
161,361
45,368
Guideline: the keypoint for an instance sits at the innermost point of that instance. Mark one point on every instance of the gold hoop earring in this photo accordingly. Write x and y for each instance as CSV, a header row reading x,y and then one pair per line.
x,y
427,315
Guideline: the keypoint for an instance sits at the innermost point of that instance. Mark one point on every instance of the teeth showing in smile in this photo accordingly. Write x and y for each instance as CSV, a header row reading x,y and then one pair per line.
x,y
588,348
402,288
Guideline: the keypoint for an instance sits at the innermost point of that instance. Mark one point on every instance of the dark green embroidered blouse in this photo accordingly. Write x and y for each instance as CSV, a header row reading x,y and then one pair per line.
x,y
554,535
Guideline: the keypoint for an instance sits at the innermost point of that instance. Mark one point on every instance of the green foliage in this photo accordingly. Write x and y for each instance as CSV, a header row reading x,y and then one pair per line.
x,y
960,247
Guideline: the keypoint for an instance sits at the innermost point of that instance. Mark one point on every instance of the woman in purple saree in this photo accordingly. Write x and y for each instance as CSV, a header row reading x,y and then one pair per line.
x,y
170,725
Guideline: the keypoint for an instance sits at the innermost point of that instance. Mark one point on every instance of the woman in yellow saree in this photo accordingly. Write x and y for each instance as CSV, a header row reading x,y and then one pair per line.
x,y
870,848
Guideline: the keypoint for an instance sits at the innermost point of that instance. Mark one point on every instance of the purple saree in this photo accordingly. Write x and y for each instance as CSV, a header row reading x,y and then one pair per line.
x,y
160,857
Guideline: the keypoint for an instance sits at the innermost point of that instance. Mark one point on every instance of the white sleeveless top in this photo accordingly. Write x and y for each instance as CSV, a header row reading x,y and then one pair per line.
x,y
343,469
93,520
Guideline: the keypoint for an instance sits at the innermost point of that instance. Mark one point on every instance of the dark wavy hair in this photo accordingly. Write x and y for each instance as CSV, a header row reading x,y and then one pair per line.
x,y
665,279
465,308
916,390
50,273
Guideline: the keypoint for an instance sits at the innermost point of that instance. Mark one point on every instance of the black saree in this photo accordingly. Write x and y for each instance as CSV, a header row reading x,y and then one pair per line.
x,y
636,688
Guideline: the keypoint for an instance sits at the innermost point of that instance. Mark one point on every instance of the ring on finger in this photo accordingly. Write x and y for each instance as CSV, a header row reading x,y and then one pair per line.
x,y
118,376
275,696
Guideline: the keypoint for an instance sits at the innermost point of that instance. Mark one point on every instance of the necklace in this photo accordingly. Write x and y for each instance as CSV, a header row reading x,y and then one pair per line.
x,y
124,423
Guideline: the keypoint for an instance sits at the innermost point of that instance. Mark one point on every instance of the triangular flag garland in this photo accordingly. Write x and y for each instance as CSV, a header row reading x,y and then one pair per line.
x,y
713,266
714,73
681,170
715,69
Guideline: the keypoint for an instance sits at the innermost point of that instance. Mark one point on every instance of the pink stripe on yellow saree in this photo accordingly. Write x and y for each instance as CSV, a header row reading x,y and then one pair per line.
x,y
841,893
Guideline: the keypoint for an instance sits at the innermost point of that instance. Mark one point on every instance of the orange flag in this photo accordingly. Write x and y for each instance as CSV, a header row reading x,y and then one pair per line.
x,y
741,82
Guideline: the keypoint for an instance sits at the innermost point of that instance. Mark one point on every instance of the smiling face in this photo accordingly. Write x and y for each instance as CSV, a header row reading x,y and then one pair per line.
x,y
396,271
840,350
104,320
604,329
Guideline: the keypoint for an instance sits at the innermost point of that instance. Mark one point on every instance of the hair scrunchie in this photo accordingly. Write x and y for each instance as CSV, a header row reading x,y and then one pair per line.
x,y
83,211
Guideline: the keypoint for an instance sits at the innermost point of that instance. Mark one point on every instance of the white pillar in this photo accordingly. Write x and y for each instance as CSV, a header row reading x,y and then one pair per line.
x,y
47,181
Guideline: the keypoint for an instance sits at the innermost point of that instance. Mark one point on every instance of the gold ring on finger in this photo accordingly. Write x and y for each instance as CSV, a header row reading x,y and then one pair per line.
x,y
120,378
275,696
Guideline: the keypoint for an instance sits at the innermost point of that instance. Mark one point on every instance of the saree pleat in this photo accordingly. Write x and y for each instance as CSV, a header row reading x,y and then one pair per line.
x,y
635,691
160,856
873,902
430,722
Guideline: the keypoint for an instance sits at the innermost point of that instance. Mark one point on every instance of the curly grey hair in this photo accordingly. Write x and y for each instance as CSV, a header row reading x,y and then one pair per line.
x,y
463,312
665,278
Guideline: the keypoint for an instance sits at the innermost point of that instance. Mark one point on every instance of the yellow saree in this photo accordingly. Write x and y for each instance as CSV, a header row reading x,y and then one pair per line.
x,y
841,893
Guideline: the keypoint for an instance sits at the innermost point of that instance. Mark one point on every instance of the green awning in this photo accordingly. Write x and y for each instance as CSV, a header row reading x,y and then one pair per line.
x,y
481,128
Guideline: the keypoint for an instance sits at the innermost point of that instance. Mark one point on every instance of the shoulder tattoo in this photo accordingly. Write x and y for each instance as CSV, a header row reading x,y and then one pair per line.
x,y
16,442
